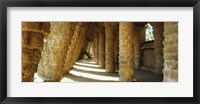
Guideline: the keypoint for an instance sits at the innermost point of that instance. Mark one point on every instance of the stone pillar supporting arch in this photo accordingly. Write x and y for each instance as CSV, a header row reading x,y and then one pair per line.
x,y
33,34
96,46
109,47
158,29
54,51
116,49
126,66
89,47
136,44
170,50
102,47
77,44
93,50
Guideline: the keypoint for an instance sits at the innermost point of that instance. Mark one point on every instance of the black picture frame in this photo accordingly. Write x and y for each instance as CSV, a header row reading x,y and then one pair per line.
x,y
99,3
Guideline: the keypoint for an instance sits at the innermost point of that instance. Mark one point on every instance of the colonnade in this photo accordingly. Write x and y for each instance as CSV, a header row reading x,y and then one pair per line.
x,y
111,41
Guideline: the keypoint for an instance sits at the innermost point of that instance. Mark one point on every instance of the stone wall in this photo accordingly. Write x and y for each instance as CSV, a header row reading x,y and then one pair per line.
x,y
148,57
33,34
138,34
170,50
158,30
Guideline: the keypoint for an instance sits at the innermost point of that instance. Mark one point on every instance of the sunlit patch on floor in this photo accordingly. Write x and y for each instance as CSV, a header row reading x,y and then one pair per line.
x,y
88,71
85,64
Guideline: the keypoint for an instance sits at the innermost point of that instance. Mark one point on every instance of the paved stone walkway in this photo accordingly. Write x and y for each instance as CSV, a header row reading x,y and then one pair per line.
x,y
89,71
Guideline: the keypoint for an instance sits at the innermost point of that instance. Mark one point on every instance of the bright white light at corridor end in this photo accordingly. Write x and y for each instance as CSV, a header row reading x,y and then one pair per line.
x,y
78,63
45,40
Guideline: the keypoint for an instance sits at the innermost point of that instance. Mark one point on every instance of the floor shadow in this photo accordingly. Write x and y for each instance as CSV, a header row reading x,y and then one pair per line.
x,y
146,76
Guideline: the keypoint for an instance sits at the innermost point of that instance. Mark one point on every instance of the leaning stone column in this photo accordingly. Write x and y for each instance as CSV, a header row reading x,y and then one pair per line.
x,y
33,34
126,67
102,47
170,51
109,55
158,30
77,43
51,64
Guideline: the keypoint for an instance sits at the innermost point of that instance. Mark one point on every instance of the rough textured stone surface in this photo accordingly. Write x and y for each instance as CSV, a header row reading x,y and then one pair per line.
x,y
89,47
110,44
50,67
137,43
158,30
32,42
24,39
96,46
116,49
109,49
77,44
35,40
93,50
148,58
27,65
126,67
102,47
170,50
38,27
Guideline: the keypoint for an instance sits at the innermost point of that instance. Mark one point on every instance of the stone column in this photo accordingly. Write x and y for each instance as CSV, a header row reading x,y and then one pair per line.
x,y
93,49
109,50
89,47
170,51
116,49
96,46
136,43
126,66
158,30
54,51
33,34
102,48
77,44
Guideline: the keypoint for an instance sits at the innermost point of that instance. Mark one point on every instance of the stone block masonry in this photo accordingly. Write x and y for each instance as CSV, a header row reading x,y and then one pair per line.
x,y
170,51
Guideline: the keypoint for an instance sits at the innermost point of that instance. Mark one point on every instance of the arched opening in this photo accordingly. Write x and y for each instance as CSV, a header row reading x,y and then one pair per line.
x,y
149,32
